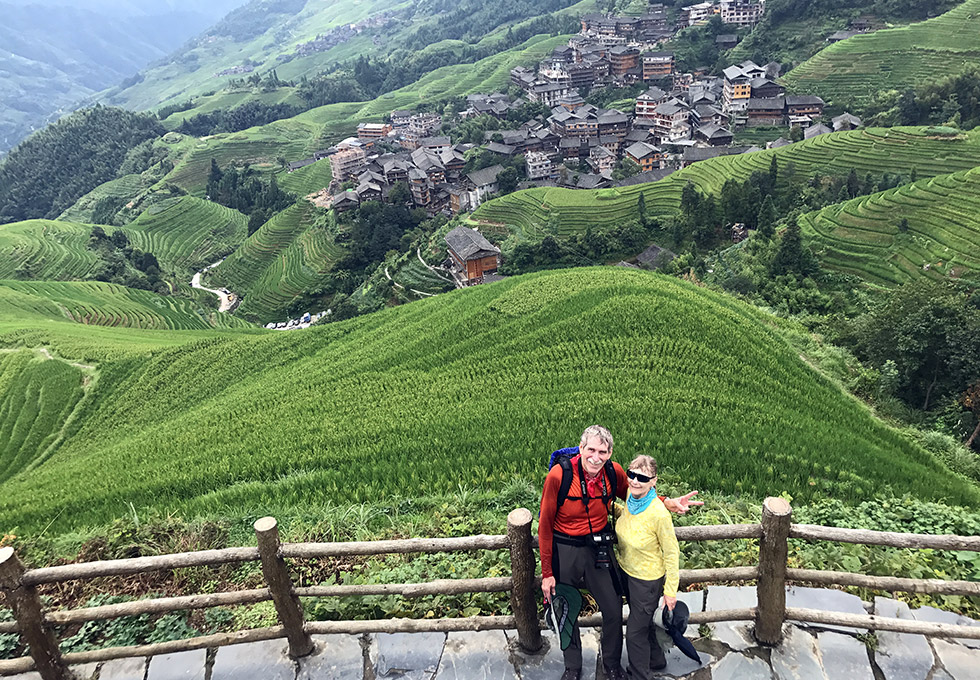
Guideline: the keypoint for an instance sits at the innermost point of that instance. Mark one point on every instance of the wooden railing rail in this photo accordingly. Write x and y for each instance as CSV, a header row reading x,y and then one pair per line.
x,y
771,575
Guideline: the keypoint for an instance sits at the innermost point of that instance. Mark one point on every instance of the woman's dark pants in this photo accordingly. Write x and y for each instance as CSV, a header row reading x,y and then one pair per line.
x,y
645,655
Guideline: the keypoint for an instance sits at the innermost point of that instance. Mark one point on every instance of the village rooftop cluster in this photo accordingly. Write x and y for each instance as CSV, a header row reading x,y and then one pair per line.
x,y
680,119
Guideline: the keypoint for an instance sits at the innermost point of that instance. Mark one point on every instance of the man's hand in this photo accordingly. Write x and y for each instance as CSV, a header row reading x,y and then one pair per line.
x,y
670,602
548,588
681,504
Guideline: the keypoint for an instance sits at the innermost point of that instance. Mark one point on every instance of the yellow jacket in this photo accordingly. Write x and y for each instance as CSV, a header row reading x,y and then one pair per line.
x,y
647,545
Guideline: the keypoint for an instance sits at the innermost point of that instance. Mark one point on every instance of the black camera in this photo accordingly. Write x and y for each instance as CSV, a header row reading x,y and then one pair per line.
x,y
603,543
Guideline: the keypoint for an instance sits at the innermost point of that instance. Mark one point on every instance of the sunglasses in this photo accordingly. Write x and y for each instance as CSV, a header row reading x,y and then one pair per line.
x,y
641,478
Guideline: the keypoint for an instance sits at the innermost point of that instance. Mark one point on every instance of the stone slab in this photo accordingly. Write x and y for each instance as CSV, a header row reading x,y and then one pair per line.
x,y
739,667
736,635
941,674
844,657
826,599
730,597
796,657
85,671
178,666
408,656
337,657
267,660
678,665
123,669
549,663
934,615
960,662
901,656
694,600
482,655
32,675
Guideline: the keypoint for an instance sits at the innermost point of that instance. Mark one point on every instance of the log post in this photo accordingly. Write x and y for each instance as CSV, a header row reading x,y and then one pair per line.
x,y
288,606
26,605
771,611
523,601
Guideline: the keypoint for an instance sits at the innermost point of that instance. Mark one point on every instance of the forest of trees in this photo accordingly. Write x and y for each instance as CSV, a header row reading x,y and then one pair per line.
x,y
49,171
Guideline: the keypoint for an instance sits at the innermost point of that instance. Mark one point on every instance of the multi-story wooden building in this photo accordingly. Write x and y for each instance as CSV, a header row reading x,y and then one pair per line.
x,y
657,65
472,254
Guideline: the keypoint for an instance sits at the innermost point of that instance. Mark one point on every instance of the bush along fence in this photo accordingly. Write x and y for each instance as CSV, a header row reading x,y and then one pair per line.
x,y
36,626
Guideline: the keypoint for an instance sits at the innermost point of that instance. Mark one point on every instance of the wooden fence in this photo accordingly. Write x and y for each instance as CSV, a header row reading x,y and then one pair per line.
x,y
772,574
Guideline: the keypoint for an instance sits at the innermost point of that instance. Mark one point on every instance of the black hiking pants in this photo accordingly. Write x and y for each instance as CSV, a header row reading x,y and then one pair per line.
x,y
645,655
574,565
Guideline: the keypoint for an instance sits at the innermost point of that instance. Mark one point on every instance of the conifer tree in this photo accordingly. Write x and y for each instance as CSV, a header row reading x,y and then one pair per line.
x,y
766,223
789,256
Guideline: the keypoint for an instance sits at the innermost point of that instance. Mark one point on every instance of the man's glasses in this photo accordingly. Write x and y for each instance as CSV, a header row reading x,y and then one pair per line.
x,y
641,478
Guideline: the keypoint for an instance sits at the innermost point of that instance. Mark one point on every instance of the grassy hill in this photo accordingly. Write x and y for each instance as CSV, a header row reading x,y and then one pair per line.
x,y
865,236
276,264
106,304
899,58
184,233
538,211
466,390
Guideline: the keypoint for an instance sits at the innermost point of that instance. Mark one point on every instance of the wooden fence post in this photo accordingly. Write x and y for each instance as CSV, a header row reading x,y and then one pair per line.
x,y
26,605
771,610
523,600
288,606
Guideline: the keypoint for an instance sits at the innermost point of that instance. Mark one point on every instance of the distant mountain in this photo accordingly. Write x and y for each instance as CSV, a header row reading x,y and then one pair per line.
x,y
55,54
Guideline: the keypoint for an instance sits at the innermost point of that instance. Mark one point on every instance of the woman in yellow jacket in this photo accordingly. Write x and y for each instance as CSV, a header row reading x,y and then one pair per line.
x,y
649,558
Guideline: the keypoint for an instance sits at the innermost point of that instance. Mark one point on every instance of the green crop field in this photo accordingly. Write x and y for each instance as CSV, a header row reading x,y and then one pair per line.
x,y
899,58
106,304
278,263
863,236
414,275
306,180
534,212
126,188
37,395
472,388
183,233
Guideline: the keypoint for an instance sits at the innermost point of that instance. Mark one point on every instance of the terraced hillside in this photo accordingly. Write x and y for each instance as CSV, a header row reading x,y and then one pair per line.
x,y
183,233
899,58
939,238
298,137
106,304
37,396
383,405
534,212
278,263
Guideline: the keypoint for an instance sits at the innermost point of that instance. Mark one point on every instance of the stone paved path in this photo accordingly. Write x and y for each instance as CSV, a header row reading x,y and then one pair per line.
x,y
808,652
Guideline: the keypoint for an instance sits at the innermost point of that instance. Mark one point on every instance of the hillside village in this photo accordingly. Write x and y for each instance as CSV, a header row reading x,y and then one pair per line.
x,y
681,118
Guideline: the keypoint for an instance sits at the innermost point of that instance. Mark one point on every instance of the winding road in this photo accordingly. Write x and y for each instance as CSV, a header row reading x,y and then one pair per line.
x,y
227,299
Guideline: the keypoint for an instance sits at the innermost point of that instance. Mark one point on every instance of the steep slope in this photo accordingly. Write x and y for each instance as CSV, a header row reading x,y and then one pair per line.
x,y
470,388
184,234
535,212
900,58
928,228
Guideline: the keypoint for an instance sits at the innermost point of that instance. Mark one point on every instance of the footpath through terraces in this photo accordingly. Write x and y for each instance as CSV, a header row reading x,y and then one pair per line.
x,y
807,652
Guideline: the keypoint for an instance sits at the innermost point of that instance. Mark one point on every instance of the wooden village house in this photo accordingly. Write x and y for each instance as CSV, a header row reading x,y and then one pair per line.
x,y
472,255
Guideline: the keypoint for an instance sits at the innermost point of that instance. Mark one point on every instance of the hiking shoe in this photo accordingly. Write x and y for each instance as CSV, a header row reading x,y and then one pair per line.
x,y
572,674
615,673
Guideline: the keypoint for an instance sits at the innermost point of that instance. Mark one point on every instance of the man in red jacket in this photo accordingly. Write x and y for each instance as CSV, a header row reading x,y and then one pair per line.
x,y
568,549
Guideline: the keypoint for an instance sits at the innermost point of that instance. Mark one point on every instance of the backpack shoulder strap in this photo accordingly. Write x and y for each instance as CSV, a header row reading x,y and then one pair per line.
x,y
611,476
566,478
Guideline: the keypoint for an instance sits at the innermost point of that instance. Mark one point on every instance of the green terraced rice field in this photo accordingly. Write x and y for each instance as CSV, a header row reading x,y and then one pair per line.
x,y
184,234
37,395
278,263
106,304
394,404
306,180
534,212
899,58
126,188
862,236
413,274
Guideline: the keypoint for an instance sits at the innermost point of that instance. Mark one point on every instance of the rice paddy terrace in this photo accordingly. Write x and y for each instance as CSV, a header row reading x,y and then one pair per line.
x,y
284,258
898,58
940,236
385,405
107,304
183,233
539,211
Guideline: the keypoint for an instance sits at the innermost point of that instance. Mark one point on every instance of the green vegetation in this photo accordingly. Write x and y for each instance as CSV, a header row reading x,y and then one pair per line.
x,y
707,384
927,229
854,70
535,212
107,304
183,233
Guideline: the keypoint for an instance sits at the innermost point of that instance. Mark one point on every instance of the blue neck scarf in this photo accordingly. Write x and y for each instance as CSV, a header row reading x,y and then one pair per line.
x,y
637,505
